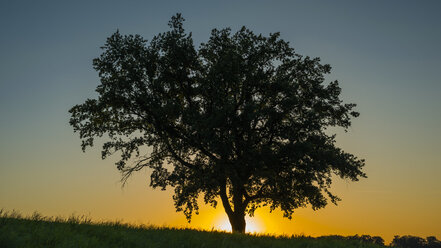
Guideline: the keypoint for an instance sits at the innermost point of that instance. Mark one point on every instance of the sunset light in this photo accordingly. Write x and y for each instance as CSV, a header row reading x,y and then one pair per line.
x,y
223,225
253,225
321,118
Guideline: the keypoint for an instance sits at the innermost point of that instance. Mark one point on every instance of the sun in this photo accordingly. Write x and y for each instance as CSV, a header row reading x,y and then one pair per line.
x,y
223,224
253,225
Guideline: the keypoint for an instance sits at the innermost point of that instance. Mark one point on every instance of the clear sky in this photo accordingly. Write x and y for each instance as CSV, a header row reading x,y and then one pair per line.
x,y
386,55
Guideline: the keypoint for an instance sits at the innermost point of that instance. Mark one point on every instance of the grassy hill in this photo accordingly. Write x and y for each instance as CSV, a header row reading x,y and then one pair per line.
x,y
38,231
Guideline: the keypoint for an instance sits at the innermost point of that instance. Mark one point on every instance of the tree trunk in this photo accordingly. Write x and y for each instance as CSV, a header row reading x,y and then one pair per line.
x,y
237,221
236,216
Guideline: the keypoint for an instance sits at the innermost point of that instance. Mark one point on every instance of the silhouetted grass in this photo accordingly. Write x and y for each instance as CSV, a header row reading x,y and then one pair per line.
x,y
80,231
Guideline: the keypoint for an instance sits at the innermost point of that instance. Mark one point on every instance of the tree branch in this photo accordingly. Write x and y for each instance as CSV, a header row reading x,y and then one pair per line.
x,y
192,143
224,198
177,157
259,194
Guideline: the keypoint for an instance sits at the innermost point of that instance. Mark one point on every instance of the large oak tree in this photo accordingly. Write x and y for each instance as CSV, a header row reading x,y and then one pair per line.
x,y
242,119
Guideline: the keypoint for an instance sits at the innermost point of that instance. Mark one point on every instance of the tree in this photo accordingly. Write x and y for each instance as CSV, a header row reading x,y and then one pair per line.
x,y
242,118
409,241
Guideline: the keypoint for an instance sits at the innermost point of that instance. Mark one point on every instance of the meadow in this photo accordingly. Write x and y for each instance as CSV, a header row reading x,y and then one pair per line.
x,y
79,231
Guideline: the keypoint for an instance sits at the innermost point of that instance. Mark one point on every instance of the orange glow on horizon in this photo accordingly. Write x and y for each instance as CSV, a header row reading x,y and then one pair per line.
x,y
253,225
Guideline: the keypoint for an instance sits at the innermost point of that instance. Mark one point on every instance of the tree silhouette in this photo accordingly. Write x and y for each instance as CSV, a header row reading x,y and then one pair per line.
x,y
242,118
409,241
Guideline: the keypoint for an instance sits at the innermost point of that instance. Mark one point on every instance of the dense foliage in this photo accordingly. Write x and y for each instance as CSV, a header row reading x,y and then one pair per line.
x,y
409,241
243,118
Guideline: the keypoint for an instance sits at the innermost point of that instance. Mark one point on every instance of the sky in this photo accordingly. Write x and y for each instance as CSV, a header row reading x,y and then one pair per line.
x,y
385,54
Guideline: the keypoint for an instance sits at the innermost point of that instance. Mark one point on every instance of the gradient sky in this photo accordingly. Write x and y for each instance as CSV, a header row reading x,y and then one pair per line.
x,y
386,55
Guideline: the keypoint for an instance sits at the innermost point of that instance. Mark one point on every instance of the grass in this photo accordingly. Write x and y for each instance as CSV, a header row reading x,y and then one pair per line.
x,y
80,231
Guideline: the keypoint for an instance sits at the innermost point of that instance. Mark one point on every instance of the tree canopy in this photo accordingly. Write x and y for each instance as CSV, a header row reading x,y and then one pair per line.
x,y
242,119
